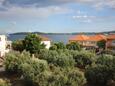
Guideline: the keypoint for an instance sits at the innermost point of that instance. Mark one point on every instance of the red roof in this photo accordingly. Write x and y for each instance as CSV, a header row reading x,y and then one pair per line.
x,y
97,38
43,38
111,36
88,38
79,38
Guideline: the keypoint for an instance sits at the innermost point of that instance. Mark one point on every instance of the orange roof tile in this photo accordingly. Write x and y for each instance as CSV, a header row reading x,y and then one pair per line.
x,y
97,37
79,38
88,38
43,38
111,36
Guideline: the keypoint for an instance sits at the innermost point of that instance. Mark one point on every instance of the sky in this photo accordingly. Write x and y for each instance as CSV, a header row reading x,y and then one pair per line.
x,y
57,16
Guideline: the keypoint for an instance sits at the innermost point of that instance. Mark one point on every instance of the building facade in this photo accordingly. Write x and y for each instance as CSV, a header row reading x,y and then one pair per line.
x,y
5,45
46,41
110,44
88,41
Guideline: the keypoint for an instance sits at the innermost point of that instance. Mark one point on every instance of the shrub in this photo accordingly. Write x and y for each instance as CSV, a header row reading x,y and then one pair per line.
x,y
18,45
35,71
110,52
103,72
73,46
57,58
83,58
13,61
66,77
58,45
105,59
101,44
4,83
75,78
100,74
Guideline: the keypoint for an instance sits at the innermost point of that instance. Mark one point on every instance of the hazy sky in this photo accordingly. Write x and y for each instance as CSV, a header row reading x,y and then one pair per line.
x,y
57,15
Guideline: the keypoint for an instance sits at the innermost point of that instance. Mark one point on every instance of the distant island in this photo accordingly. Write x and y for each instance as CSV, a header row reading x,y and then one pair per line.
x,y
74,33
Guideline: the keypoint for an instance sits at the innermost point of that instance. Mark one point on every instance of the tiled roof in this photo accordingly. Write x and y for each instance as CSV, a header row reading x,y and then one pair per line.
x,y
111,36
97,37
88,38
44,38
79,38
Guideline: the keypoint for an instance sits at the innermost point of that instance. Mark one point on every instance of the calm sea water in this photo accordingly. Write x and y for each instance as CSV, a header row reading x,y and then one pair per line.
x,y
54,38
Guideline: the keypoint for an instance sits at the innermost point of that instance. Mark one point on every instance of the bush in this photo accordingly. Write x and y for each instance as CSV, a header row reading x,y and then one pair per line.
x,y
57,58
75,78
18,45
58,45
100,74
103,72
4,83
73,46
105,59
83,58
13,61
35,71
110,52
101,44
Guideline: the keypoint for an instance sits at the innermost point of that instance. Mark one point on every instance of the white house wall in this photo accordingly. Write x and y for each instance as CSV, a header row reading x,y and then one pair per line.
x,y
2,45
47,43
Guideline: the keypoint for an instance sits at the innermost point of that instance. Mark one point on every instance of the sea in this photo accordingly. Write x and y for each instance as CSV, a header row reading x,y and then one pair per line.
x,y
53,37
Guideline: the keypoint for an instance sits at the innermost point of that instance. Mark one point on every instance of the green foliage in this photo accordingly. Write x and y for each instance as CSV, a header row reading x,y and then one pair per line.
x,y
59,72
105,59
110,52
103,72
53,47
73,46
83,58
18,45
13,61
34,71
32,43
57,58
58,45
66,77
101,44
75,78
4,83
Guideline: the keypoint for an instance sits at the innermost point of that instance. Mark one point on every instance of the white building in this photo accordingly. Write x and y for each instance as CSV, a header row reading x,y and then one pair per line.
x,y
4,45
46,41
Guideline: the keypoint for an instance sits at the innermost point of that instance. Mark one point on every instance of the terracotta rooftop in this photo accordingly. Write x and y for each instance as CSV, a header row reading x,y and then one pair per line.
x,y
88,38
44,38
111,36
97,37
79,38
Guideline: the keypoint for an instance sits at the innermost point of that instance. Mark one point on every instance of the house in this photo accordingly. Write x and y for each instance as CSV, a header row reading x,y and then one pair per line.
x,y
46,41
88,41
4,45
110,44
81,39
92,41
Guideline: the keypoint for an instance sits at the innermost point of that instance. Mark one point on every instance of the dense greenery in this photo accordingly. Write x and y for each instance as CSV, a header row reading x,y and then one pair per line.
x,y
58,45
18,45
57,58
31,43
61,65
73,46
103,72
83,58
101,44
13,61
44,72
